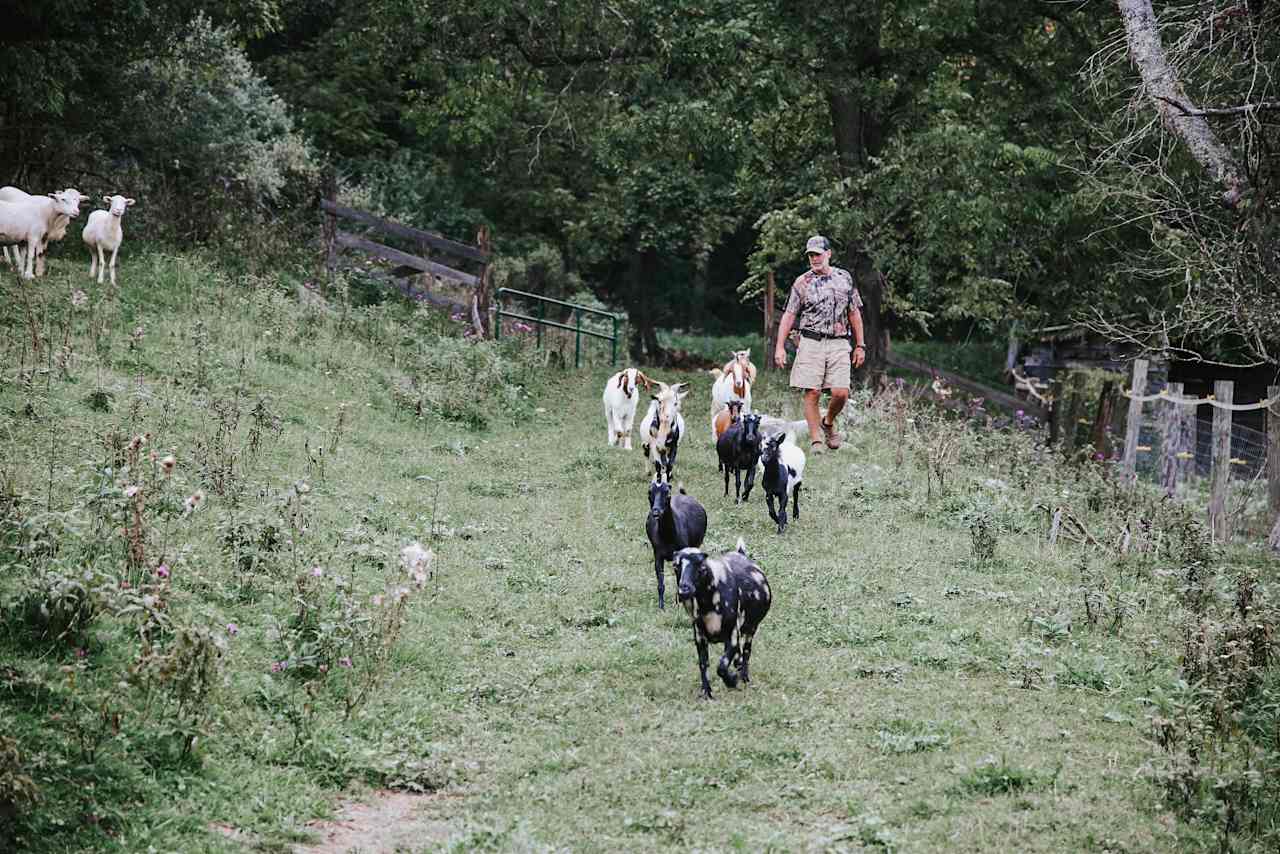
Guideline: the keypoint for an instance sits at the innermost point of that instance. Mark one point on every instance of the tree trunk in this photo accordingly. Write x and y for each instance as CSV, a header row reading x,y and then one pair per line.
x,y
641,272
1102,419
859,134
875,330
1171,102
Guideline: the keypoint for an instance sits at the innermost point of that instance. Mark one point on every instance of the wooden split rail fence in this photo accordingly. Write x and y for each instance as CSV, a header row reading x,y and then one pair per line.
x,y
427,244
1176,417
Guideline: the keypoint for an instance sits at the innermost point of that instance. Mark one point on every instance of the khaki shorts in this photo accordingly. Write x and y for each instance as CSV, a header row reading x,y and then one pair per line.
x,y
822,364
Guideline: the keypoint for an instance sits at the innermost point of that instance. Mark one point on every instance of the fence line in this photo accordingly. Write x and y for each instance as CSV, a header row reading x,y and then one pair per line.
x,y
1173,444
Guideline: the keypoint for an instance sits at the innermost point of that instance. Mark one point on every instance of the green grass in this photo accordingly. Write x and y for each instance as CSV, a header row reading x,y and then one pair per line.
x,y
901,696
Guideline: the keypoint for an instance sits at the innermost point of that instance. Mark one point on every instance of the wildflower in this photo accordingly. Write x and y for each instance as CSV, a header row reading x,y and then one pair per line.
x,y
324,668
193,503
420,578
138,332
131,490
1019,413
148,601
137,442
377,601
316,572
124,585
163,570
277,666
415,558
302,487
167,464
81,653
1099,456
344,662
79,298
233,629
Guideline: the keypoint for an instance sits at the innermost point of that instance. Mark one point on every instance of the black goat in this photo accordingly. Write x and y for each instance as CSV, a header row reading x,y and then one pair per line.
x,y
674,522
727,597
783,463
739,451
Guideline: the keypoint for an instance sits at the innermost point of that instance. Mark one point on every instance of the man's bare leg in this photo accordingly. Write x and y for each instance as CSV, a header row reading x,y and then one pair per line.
x,y
811,415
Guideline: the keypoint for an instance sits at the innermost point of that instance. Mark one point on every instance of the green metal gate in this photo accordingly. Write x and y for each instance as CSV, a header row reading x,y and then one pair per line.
x,y
541,321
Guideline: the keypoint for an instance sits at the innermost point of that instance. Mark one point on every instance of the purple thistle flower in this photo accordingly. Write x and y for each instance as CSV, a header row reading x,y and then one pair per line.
x,y
233,629
163,570
344,662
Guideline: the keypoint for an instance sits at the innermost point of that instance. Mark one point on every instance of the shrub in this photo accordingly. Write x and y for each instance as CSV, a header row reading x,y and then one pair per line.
x,y
17,790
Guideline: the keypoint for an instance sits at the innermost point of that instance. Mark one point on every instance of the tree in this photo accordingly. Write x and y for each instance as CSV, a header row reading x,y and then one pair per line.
x,y
1199,178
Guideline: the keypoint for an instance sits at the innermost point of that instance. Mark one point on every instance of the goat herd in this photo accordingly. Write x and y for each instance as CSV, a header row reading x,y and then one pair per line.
x,y
34,222
727,596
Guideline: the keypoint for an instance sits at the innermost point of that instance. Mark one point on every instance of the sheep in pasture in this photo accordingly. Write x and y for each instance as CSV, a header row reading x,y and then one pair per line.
x,y
57,220
727,597
727,418
739,451
621,393
662,427
675,521
734,381
103,232
30,221
783,463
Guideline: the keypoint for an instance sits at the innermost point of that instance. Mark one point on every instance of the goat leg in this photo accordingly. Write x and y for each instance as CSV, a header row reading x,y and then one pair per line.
x,y
746,657
795,502
725,668
662,585
751,481
726,479
737,484
768,500
782,516
700,640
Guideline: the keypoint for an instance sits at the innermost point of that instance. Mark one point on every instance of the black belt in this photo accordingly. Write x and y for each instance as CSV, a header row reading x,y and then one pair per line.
x,y
821,336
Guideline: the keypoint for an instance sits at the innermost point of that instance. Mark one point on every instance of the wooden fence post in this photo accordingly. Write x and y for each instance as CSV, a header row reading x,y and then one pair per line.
x,y
1074,393
329,230
1223,392
1102,418
484,281
1129,463
1175,439
767,357
1273,454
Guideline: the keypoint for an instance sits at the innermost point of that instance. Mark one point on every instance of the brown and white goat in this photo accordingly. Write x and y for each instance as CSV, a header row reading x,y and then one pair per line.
x,y
733,381
621,394
662,428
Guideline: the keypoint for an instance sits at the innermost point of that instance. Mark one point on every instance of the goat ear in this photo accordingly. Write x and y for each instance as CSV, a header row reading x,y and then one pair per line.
x,y
129,202
106,199
682,389
742,546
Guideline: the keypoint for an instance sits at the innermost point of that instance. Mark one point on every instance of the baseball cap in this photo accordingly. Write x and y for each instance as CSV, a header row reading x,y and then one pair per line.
x,y
817,243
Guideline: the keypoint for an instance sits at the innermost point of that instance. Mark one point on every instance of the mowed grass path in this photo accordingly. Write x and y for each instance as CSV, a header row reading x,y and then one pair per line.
x,y
885,708
898,699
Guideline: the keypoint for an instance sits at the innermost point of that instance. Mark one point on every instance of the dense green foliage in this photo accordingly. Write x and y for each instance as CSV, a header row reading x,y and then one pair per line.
x,y
668,154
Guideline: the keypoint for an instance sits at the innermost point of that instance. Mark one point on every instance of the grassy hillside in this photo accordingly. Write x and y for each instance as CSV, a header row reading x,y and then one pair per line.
x,y
210,656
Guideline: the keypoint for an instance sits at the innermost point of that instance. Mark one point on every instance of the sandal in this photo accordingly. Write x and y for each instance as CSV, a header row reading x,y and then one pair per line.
x,y
815,447
829,430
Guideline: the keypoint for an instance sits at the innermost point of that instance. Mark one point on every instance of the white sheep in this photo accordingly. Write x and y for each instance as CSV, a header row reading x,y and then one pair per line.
x,y
57,221
31,220
621,394
103,232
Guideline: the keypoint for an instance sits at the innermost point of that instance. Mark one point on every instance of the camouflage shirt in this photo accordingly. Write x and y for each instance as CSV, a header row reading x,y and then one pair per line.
x,y
821,303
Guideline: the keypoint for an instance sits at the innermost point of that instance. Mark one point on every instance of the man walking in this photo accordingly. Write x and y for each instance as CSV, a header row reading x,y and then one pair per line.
x,y
825,307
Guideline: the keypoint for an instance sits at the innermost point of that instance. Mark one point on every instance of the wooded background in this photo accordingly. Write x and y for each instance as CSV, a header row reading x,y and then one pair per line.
x,y
976,164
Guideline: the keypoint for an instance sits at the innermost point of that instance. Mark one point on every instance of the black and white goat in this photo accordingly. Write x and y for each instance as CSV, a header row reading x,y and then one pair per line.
x,y
739,451
662,427
675,521
727,597
783,463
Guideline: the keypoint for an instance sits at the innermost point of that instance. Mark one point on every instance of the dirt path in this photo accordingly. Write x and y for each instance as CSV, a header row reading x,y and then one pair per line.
x,y
389,821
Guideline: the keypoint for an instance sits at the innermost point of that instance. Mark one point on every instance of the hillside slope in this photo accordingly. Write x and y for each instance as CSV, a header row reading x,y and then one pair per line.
x,y
220,646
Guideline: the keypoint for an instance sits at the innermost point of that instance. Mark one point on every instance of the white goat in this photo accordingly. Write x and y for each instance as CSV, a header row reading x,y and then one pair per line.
x,y
621,394
103,232
734,381
57,223
31,221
